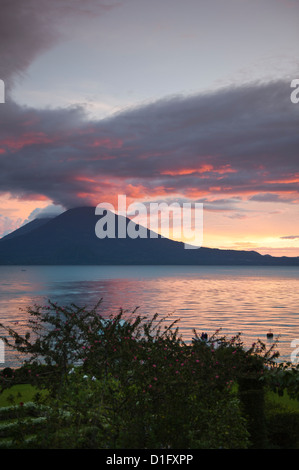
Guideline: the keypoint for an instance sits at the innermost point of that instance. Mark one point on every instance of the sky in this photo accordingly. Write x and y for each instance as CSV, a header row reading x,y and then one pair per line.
x,y
167,100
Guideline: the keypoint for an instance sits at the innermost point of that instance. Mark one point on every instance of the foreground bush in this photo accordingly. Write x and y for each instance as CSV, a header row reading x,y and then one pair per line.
x,y
132,382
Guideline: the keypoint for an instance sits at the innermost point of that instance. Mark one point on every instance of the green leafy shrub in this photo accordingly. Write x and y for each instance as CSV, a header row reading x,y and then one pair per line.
x,y
283,429
132,382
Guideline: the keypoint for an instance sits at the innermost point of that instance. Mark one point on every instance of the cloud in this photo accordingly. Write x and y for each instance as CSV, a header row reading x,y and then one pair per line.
x,y
8,225
290,237
48,212
32,27
221,205
236,141
237,215
241,140
268,197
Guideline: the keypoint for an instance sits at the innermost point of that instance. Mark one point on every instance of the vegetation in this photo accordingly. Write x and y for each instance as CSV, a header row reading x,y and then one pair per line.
x,y
132,382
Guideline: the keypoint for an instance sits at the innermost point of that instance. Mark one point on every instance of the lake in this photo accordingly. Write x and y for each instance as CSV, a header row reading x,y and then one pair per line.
x,y
250,300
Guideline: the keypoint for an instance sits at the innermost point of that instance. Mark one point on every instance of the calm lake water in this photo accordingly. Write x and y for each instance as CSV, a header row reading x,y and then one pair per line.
x,y
235,299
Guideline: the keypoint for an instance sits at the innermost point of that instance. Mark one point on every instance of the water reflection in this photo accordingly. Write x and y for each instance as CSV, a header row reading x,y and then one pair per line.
x,y
246,300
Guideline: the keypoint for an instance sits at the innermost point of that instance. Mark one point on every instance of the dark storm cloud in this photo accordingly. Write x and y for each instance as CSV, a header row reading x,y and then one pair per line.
x,y
29,27
239,140
235,141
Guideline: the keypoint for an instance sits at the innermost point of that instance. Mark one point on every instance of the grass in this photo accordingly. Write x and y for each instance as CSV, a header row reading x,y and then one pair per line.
x,y
282,401
282,416
25,393
22,393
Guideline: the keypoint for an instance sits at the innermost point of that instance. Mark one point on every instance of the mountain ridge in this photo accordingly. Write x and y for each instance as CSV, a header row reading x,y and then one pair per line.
x,y
70,239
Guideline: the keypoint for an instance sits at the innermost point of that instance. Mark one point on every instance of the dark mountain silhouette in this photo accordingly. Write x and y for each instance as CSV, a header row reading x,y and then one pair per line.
x,y
70,239
27,228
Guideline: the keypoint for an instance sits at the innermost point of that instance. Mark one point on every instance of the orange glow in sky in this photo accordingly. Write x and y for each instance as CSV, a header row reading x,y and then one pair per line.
x,y
268,228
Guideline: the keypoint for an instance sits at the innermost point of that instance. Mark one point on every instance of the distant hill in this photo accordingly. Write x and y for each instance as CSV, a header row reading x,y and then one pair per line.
x,y
70,239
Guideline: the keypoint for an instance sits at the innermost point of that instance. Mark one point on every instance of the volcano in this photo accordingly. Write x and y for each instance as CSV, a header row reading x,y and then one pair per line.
x,y
70,239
